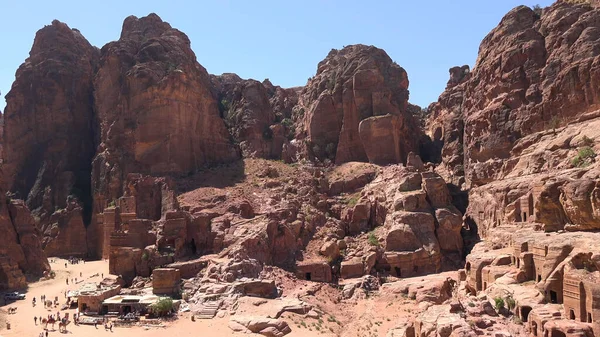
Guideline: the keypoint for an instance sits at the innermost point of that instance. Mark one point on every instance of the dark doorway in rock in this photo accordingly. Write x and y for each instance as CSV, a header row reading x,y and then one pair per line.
x,y
558,333
416,269
468,267
126,309
524,217
193,248
572,314
525,310
104,309
589,318
539,278
398,271
553,297
308,276
534,328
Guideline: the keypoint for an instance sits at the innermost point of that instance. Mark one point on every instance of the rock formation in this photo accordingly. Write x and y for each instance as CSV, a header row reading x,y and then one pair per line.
x,y
258,114
156,110
21,254
49,128
355,108
533,74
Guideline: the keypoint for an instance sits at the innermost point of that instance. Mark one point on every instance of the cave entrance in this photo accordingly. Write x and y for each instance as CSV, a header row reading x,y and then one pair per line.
x,y
553,297
193,247
539,278
398,271
525,313
308,276
558,333
589,318
572,314
524,216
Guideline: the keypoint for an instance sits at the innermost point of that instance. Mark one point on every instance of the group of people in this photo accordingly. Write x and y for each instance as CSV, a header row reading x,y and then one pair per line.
x,y
74,260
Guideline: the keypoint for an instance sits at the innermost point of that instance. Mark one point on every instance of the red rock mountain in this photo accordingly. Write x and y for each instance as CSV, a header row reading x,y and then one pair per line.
x,y
156,110
257,114
49,134
355,108
512,129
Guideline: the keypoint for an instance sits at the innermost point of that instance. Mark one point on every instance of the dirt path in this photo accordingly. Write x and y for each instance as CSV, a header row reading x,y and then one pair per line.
x,y
22,323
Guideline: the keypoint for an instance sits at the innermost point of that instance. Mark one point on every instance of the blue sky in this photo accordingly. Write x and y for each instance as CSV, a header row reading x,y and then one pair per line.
x,y
280,40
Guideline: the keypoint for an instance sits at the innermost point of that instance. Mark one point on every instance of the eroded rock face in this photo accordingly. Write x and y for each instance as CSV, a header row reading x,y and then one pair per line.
x,y
532,74
20,249
64,233
49,126
157,113
413,227
356,108
257,114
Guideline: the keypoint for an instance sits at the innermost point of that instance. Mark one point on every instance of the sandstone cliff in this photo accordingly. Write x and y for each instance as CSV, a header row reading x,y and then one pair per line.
x,y
49,127
257,114
21,254
156,111
519,128
355,109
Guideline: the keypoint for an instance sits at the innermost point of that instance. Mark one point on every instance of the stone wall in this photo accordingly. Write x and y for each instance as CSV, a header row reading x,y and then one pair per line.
x,y
166,281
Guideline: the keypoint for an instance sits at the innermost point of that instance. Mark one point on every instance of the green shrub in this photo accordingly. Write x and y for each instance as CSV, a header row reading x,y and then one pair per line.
x,y
510,303
499,303
145,256
373,241
287,122
163,306
224,105
112,204
584,157
353,200
537,9
587,141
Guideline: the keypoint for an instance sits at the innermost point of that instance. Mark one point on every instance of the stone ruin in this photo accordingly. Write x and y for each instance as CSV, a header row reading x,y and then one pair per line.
x,y
561,268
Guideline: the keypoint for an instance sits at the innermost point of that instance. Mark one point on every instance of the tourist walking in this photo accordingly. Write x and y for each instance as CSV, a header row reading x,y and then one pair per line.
x,y
35,319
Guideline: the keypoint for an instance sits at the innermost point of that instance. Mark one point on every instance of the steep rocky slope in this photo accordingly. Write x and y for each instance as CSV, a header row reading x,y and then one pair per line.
x,y
257,114
519,128
533,73
21,254
156,110
48,131
181,178
355,109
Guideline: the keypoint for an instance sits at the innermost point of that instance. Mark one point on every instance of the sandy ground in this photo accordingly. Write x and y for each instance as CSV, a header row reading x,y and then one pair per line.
x,y
22,323
364,317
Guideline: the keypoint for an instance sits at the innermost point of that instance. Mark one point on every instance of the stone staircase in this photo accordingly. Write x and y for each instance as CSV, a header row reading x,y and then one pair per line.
x,y
208,310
